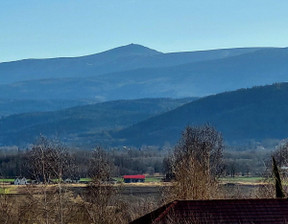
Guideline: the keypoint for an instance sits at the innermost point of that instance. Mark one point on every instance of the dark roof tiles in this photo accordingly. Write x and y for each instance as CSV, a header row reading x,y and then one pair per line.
x,y
220,211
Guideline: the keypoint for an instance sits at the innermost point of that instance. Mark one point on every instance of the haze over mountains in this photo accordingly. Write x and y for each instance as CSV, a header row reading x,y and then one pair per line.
x,y
84,124
124,58
257,114
135,72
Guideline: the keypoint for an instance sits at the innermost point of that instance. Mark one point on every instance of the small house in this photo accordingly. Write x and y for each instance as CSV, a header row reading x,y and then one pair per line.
x,y
134,178
74,180
20,181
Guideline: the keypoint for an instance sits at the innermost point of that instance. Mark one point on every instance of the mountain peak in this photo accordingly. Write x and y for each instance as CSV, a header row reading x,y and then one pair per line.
x,y
134,49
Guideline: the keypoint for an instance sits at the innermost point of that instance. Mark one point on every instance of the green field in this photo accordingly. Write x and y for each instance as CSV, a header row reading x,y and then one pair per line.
x,y
148,179
84,179
252,180
6,180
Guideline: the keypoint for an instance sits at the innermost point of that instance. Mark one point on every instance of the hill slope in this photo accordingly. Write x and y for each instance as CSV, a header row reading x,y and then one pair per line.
x,y
257,113
117,59
11,106
82,124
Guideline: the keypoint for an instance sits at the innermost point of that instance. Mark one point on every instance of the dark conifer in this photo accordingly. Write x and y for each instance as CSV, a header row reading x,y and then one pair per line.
x,y
278,183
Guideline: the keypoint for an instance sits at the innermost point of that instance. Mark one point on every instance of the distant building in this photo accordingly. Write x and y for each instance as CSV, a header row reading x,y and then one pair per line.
x,y
134,178
219,211
20,181
72,180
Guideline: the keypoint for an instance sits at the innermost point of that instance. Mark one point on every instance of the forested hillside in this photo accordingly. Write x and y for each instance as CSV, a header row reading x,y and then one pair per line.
x,y
248,114
12,106
82,125
135,72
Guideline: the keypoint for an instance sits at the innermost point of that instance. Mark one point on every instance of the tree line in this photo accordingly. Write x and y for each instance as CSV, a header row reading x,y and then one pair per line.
x,y
15,162
129,160
194,167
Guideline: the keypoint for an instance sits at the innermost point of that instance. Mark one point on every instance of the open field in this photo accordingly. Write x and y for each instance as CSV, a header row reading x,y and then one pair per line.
x,y
234,188
149,191
150,184
6,180
242,180
148,179
135,198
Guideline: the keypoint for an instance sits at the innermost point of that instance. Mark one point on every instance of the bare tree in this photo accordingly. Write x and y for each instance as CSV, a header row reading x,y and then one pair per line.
x,y
197,163
275,172
281,154
102,205
47,162
100,166
7,210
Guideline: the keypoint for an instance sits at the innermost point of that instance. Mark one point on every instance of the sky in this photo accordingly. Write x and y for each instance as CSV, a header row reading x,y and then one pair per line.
x,y
55,28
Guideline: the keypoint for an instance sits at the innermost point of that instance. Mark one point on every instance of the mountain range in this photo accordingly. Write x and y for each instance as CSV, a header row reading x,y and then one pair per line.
x,y
135,95
254,114
134,71
123,58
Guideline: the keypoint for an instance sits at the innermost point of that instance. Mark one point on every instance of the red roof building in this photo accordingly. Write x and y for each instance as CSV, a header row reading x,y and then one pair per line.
x,y
219,211
134,178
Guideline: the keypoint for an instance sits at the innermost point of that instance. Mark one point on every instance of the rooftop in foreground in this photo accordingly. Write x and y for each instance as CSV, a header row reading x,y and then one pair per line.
x,y
219,211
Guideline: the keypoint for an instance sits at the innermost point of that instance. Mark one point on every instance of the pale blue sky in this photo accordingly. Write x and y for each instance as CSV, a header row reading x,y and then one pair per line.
x,y
51,28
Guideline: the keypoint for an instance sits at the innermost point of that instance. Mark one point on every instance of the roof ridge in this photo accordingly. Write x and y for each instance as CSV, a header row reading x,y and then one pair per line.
x,y
172,205
234,199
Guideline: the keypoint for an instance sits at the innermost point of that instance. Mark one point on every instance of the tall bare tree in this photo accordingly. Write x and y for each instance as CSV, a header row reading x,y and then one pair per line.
x,y
48,161
100,166
102,205
197,163
281,154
